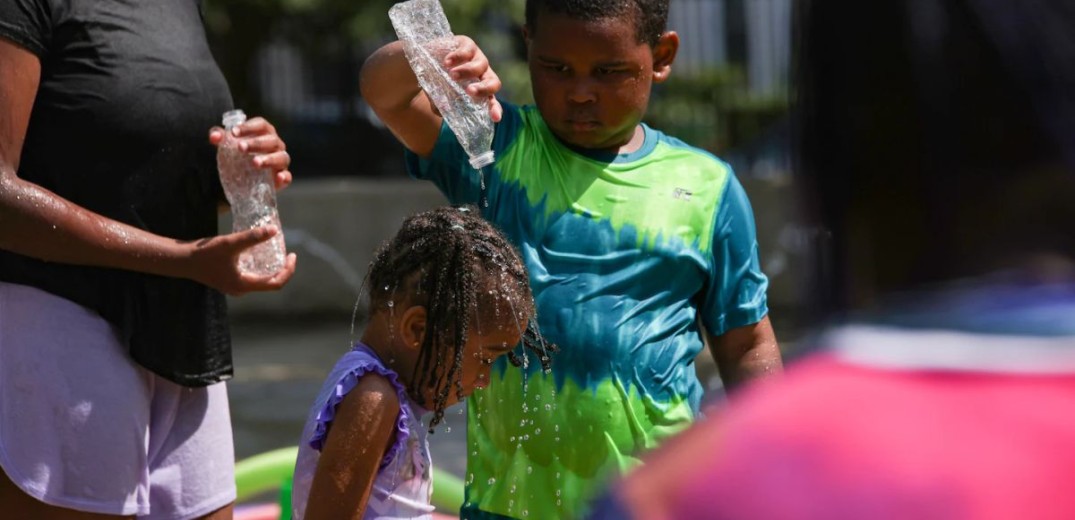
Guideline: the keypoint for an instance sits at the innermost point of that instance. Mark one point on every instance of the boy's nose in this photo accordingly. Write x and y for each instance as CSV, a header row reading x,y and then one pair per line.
x,y
582,92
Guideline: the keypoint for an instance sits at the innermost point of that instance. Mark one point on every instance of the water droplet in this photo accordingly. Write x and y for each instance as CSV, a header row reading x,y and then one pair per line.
x,y
557,491
556,427
529,470
447,429
548,407
526,513
391,303
537,431
526,437
491,481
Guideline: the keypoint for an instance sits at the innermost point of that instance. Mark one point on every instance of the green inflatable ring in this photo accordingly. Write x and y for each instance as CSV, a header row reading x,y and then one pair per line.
x,y
270,470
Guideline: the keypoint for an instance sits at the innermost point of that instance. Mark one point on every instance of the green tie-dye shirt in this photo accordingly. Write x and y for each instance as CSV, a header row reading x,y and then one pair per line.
x,y
626,253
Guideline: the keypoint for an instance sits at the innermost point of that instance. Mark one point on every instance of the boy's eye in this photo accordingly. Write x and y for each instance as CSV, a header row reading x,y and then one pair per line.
x,y
561,69
602,71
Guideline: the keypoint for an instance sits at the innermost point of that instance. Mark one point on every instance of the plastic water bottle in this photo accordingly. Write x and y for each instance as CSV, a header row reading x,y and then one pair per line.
x,y
252,195
427,39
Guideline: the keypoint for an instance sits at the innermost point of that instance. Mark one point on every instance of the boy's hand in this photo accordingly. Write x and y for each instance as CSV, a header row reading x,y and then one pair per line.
x,y
258,138
468,64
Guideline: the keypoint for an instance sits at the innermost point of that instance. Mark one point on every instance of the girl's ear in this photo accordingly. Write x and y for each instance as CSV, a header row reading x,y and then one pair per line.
x,y
664,53
412,326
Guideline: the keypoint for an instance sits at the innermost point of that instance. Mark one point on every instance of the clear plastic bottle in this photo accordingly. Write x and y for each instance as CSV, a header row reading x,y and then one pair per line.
x,y
427,39
252,195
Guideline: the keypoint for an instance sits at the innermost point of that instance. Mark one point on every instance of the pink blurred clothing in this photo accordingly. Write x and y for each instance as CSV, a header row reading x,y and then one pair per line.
x,y
858,433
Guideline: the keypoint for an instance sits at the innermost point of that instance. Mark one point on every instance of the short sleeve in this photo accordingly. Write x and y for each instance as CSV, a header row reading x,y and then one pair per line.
x,y
327,412
448,166
735,292
27,23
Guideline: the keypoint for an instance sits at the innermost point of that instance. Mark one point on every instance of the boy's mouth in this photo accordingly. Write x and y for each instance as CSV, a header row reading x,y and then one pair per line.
x,y
583,125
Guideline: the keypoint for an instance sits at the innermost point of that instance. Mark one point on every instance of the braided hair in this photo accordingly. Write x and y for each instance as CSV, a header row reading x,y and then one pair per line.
x,y
458,266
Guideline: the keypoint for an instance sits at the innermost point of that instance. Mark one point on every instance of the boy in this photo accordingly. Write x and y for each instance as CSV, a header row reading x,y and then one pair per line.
x,y
640,248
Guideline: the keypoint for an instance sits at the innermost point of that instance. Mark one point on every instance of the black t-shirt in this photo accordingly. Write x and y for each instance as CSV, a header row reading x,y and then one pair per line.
x,y
120,126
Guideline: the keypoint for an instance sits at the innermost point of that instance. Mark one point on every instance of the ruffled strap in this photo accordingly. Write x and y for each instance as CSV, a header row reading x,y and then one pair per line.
x,y
366,362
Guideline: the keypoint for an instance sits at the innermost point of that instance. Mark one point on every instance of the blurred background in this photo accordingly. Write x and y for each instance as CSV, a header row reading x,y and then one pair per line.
x,y
296,62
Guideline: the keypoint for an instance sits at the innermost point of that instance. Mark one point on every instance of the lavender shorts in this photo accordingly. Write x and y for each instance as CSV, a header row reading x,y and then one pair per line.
x,y
85,428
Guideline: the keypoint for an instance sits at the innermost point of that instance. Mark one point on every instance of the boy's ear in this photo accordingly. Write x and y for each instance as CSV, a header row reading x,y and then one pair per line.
x,y
412,326
664,53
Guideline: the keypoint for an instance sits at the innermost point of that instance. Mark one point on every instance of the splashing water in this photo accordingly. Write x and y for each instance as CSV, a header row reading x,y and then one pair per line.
x,y
484,193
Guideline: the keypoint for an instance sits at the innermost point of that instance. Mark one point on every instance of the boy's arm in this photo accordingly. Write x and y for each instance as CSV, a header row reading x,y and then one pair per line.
x,y
746,353
391,89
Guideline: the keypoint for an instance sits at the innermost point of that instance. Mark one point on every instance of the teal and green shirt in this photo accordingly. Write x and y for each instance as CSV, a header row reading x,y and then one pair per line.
x,y
627,254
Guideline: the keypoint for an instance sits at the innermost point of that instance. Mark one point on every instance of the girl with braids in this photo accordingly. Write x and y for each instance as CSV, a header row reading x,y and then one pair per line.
x,y
448,295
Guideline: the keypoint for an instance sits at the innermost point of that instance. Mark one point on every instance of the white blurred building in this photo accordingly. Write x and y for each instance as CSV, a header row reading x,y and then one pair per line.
x,y
755,34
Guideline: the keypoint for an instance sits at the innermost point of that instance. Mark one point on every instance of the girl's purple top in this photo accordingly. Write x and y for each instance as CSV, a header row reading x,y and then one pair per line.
x,y
403,485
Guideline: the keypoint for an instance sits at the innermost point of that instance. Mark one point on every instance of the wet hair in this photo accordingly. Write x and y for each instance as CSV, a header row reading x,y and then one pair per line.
x,y
934,140
457,265
649,16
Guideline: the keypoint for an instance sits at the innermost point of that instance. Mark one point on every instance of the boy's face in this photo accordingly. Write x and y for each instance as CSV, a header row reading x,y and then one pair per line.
x,y
592,79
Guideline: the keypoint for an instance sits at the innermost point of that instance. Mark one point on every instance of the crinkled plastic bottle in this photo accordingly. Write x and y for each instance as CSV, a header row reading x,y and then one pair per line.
x,y
252,195
427,39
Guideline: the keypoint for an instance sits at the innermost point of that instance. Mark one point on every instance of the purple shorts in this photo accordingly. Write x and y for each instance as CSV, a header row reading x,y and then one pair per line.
x,y
83,427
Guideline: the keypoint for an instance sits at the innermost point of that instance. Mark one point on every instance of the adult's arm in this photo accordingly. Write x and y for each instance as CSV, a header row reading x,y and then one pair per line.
x,y
38,223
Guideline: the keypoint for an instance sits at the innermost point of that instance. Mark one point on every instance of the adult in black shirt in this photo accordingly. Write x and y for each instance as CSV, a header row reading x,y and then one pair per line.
x,y
108,202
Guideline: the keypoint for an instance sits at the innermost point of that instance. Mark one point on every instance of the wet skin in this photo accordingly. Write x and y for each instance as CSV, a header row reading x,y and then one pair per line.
x,y
592,79
487,340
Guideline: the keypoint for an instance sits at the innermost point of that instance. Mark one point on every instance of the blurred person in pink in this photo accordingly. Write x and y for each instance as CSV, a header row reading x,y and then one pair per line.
x,y
935,144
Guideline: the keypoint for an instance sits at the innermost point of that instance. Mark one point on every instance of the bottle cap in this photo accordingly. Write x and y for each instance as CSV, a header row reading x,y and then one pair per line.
x,y
233,117
482,160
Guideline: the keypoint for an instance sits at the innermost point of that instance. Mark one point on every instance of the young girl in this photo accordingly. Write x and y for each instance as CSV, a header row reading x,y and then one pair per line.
x,y
448,295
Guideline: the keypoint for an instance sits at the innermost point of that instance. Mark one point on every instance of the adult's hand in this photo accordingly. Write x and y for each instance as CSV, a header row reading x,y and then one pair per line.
x,y
215,262
258,138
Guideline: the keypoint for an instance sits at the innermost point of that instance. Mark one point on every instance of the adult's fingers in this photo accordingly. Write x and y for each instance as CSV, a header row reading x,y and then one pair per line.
x,y
266,143
272,282
250,237
282,179
276,161
216,134
255,126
